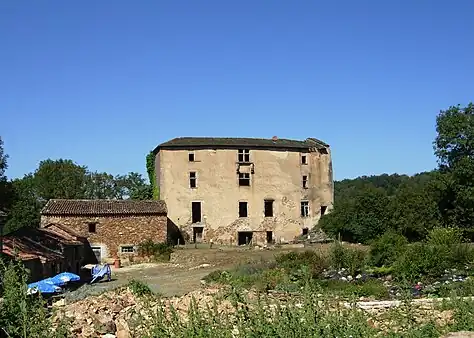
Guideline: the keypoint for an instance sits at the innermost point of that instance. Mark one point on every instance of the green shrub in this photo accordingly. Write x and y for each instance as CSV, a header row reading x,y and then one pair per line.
x,y
138,288
445,236
159,251
386,249
295,260
352,259
370,288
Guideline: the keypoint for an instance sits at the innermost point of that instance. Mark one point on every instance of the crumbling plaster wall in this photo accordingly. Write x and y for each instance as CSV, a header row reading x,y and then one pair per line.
x,y
277,175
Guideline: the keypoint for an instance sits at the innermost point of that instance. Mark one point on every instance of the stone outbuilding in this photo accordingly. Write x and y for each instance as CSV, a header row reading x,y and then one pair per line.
x,y
113,228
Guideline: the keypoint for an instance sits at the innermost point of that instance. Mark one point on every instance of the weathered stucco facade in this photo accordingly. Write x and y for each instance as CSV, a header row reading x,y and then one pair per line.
x,y
200,181
112,228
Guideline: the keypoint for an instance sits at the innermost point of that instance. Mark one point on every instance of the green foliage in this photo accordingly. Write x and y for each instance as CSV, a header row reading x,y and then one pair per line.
x,y
60,179
445,236
22,315
370,288
6,191
26,205
138,288
294,260
359,217
159,251
385,249
150,169
352,259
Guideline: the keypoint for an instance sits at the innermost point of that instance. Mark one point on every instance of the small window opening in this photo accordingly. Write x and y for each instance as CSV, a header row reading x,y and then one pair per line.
x,y
244,179
323,151
92,227
244,155
304,160
243,209
127,249
323,209
268,208
304,208
305,181
192,180
305,231
191,157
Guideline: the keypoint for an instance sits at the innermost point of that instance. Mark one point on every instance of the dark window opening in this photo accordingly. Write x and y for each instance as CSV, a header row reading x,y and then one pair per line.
x,y
191,157
323,209
244,155
244,179
268,207
243,209
198,234
305,231
196,212
127,249
304,159
305,181
269,237
304,209
192,180
92,227
323,151
244,237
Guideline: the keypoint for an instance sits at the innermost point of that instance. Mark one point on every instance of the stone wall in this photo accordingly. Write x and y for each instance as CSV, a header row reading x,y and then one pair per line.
x,y
113,232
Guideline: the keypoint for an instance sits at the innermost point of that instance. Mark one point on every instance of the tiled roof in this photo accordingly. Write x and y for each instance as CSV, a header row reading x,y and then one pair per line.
x,y
103,207
231,142
26,248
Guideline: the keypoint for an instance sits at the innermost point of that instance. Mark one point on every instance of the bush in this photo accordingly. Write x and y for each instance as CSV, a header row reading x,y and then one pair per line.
x,y
352,259
295,260
387,248
159,251
445,236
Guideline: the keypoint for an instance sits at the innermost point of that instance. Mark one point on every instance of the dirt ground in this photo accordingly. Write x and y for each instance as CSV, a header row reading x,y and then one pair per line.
x,y
185,270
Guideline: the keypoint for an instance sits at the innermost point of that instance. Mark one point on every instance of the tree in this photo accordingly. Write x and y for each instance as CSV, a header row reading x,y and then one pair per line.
x,y
454,147
60,179
26,205
101,186
6,190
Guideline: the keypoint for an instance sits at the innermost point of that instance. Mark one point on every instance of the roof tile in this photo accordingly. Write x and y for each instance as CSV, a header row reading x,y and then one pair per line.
x,y
103,207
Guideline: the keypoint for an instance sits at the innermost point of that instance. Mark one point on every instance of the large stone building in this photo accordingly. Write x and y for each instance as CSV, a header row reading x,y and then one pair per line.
x,y
112,227
236,190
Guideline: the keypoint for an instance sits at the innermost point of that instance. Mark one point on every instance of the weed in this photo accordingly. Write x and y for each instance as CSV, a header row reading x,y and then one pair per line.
x,y
139,288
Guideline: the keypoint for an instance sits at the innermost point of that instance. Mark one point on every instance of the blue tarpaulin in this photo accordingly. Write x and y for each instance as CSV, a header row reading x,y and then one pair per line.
x,y
43,287
63,278
99,271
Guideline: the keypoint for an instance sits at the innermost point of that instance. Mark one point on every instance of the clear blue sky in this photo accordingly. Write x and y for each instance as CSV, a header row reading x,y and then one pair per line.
x,y
103,82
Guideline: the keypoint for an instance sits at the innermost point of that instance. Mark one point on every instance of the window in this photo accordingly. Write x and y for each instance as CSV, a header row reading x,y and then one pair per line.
x,y
305,231
305,181
323,209
191,157
196,212
92,227
243,209
244,179
192,179
268,208
304,160
127,249
304,208
244,155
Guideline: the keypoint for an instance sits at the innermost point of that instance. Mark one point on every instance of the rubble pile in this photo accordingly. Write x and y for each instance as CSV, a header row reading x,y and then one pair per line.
x,y
121,314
